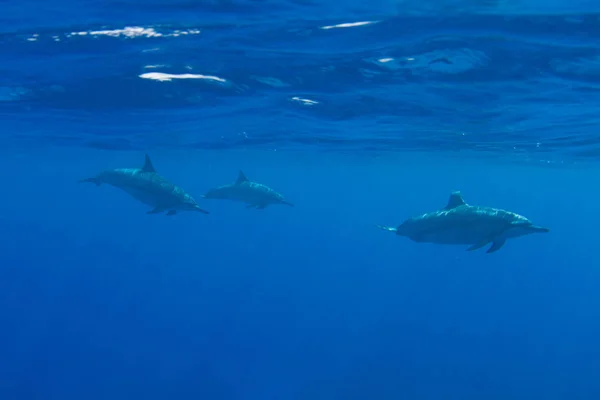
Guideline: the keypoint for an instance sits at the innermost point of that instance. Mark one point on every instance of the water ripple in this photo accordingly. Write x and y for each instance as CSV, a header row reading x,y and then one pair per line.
x,y
360,78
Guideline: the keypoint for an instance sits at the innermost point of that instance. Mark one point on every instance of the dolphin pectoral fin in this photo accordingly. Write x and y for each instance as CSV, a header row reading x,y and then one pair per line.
x,y
156,210
478,245
171,212
496,245
387,228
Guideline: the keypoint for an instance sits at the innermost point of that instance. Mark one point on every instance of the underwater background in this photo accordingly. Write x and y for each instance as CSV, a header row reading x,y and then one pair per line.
x,y
360,113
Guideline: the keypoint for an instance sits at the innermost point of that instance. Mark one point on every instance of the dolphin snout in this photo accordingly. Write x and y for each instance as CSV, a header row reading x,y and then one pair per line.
x,y
536,228
199,209
94,180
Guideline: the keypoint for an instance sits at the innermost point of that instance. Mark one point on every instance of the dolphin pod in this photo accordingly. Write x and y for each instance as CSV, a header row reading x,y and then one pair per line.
x,y
458,223
147,186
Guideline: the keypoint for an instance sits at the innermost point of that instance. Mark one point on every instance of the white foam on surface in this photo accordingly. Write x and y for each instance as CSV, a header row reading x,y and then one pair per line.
x,y
349,24
135,31
306,102
164,77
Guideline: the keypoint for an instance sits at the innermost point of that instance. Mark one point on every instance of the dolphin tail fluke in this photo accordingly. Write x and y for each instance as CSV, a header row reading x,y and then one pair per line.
x,y
94,180
387,228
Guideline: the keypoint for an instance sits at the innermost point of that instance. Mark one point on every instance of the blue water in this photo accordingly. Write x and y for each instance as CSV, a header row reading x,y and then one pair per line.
x,y
360,113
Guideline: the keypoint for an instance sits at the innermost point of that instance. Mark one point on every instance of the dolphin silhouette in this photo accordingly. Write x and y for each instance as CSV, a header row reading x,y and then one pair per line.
x,y
255,195
460,223
147,186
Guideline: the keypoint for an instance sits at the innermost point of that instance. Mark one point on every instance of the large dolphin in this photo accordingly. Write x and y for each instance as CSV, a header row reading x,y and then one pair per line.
x,y
255,195
460,223
147,186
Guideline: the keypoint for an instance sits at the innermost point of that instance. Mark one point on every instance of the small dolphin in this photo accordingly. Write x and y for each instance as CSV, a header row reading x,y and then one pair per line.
x,y
145,185
256,195
460,223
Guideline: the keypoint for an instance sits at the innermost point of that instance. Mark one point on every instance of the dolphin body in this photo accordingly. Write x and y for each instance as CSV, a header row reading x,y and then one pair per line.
x,y
255,195
460,223
147,186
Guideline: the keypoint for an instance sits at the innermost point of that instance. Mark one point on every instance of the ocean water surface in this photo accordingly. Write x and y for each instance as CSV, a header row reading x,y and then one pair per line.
x,y
360,114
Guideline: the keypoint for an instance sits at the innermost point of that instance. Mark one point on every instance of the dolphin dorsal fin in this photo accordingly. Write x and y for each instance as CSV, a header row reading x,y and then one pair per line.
x,y
241,178
148,167
455,200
